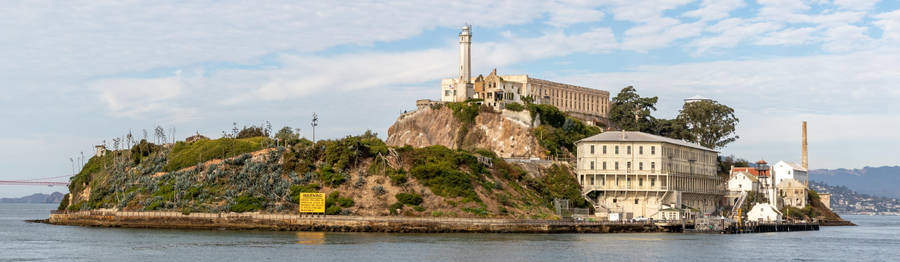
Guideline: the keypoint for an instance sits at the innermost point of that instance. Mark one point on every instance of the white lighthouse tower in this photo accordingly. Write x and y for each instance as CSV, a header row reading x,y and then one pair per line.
x,y
465,55
460,88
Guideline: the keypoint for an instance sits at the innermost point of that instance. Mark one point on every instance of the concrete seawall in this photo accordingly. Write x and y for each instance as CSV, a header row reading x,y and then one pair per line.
x,y
278,222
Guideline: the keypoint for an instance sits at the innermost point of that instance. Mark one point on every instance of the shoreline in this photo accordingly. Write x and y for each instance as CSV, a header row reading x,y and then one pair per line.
x,y
322,223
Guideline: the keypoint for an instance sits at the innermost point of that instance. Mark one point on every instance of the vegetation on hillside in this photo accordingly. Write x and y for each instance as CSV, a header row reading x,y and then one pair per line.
x,y
356,172
188,154
558,132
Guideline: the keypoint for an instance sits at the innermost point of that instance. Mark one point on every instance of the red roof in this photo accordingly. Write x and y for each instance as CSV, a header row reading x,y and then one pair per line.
x,y
750,170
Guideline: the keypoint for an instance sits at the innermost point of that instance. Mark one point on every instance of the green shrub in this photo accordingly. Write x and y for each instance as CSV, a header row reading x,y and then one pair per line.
x,y
297,189
515,107
558,182
247,203
64,203
398,177
419,208
441,170
345,153
185,155
411,199
394,207
465,112
345,202
333,210
330,177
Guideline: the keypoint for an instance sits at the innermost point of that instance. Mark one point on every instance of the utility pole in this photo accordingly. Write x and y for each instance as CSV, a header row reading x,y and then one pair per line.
x,y
314,124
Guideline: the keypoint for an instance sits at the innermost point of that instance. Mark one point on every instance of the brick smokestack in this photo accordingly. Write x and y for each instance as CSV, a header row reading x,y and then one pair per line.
x,y
805,156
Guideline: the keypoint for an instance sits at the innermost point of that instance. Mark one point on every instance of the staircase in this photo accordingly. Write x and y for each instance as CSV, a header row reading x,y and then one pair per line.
x,y
739,203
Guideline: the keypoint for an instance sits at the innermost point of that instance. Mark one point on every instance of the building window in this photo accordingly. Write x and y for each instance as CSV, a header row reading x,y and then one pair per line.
x,y
592,180
592,165
604,165
628,165
617,150
652,165
635,201
652,181
628,181
628,150
617,165
592,149
653,150
641,150
640,182
604,149
641,166
614,200
582,179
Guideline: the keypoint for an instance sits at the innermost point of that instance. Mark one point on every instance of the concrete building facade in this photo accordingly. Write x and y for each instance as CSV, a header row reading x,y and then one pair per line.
x,y
635,174
792,193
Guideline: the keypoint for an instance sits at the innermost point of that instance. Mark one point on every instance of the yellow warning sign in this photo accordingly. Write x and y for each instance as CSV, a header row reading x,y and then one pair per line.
x,y
312,203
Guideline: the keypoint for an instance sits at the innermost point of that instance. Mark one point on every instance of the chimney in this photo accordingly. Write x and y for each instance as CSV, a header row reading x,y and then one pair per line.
x,y
805,159
805,156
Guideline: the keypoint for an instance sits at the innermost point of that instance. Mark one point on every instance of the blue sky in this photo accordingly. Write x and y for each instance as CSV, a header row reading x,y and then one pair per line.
x,y
76,73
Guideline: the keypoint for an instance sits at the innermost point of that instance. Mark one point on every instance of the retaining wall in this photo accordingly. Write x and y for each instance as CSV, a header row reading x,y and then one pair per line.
x,y
279,222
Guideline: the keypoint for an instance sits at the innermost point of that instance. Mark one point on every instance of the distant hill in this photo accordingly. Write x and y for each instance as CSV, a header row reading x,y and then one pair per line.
x,y
876,181
37,198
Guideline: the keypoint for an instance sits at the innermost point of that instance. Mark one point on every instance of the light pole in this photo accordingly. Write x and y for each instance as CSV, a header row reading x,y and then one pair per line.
x,y
314,124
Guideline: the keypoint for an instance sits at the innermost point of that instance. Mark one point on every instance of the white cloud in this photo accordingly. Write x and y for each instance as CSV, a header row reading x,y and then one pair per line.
x,y
715,9
889,22
846,38
731,31
134,97
856,4
789,36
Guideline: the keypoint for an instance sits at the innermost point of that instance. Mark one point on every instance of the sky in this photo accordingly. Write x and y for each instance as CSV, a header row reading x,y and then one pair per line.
x,y
76,73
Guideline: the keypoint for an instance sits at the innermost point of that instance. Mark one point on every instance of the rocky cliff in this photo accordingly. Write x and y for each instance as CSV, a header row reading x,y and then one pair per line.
x,y
507,134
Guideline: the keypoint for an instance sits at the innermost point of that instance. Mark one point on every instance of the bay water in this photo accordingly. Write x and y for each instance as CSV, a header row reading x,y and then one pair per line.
x,y
877,238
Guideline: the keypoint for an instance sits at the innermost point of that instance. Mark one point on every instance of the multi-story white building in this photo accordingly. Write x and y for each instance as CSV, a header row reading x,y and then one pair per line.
x,y
788,170
636,174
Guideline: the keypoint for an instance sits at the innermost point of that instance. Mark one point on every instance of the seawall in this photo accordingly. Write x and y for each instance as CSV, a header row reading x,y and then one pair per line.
x,y
321,223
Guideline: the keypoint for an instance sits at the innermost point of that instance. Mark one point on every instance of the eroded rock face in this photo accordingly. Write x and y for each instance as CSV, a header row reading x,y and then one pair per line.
x,y
491,130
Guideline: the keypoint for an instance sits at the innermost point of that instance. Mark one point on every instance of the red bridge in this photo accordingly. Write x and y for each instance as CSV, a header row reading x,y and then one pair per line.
x,y
47,181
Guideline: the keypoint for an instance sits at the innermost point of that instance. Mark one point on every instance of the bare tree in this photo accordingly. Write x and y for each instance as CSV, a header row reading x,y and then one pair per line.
x,y
72,160
145,134
160,134
129,139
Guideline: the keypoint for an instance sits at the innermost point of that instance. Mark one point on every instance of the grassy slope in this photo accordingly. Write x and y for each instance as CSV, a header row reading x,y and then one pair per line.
x,y
450,182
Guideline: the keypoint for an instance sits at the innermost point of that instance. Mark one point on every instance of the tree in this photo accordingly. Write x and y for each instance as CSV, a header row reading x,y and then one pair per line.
x,y
630,111
709,123
671,128
287,136
252,131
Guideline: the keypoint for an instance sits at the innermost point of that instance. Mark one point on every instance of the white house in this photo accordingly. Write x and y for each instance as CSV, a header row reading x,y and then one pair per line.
x,y
741,182
788,170
764,213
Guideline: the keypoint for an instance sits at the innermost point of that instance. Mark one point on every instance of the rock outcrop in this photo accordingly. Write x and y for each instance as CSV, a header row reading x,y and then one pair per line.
x,y
507,136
